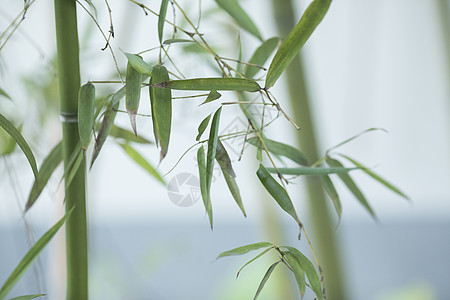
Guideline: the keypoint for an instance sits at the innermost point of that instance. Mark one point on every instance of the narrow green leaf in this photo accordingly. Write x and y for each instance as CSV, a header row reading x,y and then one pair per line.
x,y
296,39
265,278
140,160
7,143
252,260
124,134
51,162
351,185
173,41
307,266
233,8
4,94
260,56
278,148
354,137
161,103
86,107
162,18
328,186
209,84
15,134
245,249
376,177
27,297
298,272
29,258
133,94
138,64
228,173
278,193
201,161
312,170
211,155
202,127
213,95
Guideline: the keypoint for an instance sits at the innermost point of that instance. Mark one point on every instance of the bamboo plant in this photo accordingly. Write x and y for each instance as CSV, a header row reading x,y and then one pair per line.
x,y
83,117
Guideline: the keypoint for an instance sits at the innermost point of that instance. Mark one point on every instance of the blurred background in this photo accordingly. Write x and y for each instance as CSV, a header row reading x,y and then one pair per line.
x,y
382,64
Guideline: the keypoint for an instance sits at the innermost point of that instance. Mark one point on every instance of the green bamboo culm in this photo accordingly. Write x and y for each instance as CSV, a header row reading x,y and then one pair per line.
x,y
323,227
69,84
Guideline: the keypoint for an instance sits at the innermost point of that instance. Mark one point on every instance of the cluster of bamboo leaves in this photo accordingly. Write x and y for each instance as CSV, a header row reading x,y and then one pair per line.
x,y
97,115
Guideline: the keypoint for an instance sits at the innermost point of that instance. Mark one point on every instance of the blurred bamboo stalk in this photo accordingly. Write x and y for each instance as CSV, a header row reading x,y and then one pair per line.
x,y
443,7
69,84
324,233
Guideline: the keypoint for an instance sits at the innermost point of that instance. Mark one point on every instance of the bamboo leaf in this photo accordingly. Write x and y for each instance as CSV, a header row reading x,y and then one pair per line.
x,y
213,95
351,185
233,8
245,249
173,41
296,39
298,272
260,56
252,260
17,136
27,297
278,193
354,137
138,64
162,18
228,173
376,177
124,134
201,160
209,84
278,148
7,143
265,278
161,102
4,94
211,154
141,161
51,162
307,266
202,127
86,106
133,94
312,170
31,255
328,186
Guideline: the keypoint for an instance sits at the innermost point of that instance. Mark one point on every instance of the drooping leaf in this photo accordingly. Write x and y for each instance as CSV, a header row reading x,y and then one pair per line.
x,y
278,193
252,260
307,266
328,186
86,106
202,127
265,278
51,162
201,161
245,249
17,136
209,84
213,95
4,94
296,39
298,272
233,8
27,297
281,149
162,18
260,56
228,173
124,134
7,143
211,154
173,41
351,185
312,170
133,94
29,258
141,161
138,64
376,177
161,103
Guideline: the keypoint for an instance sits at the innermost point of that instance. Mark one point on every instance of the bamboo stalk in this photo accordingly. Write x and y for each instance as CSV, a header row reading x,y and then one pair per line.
x,y
319,210
443,7
69,84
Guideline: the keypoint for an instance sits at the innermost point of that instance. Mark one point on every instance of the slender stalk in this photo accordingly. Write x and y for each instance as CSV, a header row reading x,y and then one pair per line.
x,y
319,210
443,7
69,83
